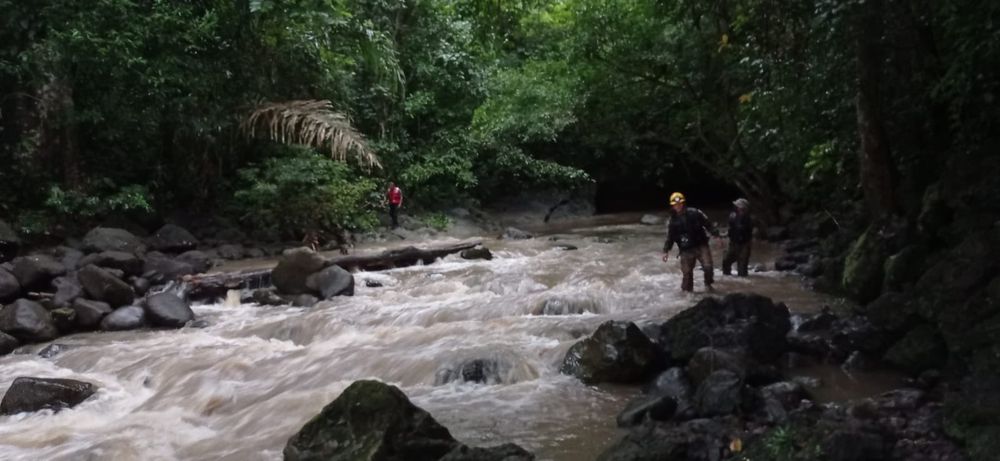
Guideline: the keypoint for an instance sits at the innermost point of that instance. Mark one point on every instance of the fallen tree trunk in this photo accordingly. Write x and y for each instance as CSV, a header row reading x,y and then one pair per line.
x,y
207,286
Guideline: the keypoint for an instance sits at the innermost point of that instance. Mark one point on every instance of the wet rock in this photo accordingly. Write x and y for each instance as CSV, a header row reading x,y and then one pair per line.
x,y
721,393
904,268
124,318
617,352
33,394
8,343
856,333
100,285
168,310
159,268
330,282
90,313
53,350
563,306
112,239
9,286
709,360
10,243
813,268
35,272
199,260
231,252
777,399
807,382
305,300
673,383
512,233
482,371
27,321
371,420
892,312
566,247
199,324
173,239
294,266
760,268
267,297
785,263
373,283
811,344
505,452
255,253
651,220
748,323
128,263
477,253
655,408
860,361
819,321
64,319
695,440
855,445
921,349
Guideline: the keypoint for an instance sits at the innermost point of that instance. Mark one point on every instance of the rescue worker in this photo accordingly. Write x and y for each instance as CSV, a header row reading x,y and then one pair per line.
x,y
740,239
689,229
395,198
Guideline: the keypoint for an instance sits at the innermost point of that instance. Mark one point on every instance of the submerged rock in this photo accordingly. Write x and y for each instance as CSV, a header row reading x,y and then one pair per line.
x,y
618,352
482,371
564,306
330,282
513,233
477,253
33,394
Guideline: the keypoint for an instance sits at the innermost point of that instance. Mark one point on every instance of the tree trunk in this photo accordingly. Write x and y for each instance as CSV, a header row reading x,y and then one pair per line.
x,y
875,158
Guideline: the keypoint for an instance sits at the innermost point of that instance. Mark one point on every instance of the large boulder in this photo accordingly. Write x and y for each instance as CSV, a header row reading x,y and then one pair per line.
x,y
126,262
159,268
101,285
124,318
27,321
748,324
721,393
708,360
173,239
33,394
168,310
618,352
90,313
904,268
8,343
9,286
10,243
505,452
371,421
35,272
330,282
864,268
112,239
294,267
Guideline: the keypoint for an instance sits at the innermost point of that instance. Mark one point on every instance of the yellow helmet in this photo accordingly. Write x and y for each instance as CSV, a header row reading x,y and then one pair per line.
x,y
676,198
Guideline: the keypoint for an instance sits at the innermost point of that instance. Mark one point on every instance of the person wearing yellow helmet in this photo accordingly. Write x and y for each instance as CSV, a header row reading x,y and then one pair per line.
x,y
689,228
740,239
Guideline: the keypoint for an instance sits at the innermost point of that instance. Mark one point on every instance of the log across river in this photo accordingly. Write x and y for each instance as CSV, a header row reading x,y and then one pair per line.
x,y
239,388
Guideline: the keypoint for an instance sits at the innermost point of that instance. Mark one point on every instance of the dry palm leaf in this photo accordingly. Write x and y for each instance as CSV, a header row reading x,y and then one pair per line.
x,y
312,123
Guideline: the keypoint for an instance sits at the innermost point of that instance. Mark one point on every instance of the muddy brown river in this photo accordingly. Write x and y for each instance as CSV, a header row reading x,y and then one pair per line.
x,y
238,389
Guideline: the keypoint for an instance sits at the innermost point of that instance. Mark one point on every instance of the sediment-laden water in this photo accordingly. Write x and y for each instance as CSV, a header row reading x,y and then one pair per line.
x,y
239,388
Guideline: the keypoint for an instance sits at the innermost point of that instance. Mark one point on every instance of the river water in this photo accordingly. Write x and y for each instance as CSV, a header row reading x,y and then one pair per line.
x,y
239,388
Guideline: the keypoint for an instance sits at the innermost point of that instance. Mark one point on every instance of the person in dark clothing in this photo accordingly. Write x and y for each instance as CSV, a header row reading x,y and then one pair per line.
x,y
740,239
689,229
395,199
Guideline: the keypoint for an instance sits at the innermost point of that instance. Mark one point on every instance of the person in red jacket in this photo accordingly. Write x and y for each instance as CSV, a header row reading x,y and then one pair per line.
x,y
395,197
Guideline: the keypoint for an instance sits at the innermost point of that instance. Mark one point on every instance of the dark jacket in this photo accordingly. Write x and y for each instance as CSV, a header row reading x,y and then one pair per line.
x,y
740,227
688,230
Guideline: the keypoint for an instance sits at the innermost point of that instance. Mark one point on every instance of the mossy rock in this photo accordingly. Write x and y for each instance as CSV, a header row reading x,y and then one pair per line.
x,y
371,421
864,268
921,349
904,268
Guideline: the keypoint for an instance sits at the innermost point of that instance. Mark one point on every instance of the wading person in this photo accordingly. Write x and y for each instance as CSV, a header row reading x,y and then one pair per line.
x,y
689,229
740,239
395,198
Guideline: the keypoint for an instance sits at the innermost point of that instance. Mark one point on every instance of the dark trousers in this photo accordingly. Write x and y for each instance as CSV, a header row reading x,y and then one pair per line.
x,y
394,214
738,253
702,255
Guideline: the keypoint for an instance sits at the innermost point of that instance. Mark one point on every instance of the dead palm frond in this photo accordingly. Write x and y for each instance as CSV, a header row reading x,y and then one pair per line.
x,y
311,123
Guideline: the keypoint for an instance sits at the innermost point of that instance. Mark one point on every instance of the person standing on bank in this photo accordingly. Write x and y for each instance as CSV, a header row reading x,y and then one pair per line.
x,y
395,198
689,229
740,239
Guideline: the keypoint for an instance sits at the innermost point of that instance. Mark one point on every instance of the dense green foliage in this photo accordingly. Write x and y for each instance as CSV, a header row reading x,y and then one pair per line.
x,y
122,105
